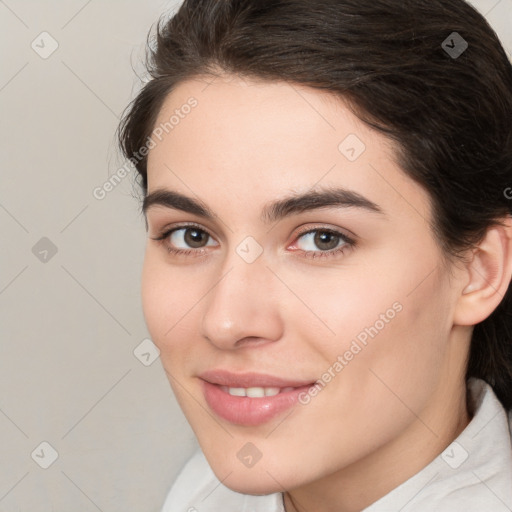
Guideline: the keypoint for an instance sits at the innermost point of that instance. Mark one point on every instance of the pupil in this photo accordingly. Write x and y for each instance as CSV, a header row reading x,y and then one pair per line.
x,y
195,237
325,240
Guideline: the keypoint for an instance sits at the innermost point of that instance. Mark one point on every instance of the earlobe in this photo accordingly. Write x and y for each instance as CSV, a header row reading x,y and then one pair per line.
x,y
488,276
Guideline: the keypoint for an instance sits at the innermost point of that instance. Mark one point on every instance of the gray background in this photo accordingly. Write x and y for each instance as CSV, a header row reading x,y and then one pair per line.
x,y
71,320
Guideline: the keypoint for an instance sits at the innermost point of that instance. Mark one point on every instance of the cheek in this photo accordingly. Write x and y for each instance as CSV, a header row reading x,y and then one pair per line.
x,y
156,298
392,322
403,345
345,303
169,295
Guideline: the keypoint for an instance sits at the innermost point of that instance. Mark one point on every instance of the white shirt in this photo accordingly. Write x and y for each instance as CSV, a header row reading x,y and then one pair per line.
x,y
474,474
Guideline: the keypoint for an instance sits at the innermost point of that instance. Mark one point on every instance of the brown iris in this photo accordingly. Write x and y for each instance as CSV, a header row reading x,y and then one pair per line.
x,y
326,240
195,237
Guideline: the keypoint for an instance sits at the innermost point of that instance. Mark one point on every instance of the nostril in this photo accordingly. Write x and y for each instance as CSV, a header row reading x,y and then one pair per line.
x,y
251,341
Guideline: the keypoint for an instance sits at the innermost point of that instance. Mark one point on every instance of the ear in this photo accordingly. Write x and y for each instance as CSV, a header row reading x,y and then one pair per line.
x,y
487,275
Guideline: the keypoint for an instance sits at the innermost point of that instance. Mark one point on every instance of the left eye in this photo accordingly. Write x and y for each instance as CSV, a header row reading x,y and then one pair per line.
x,y
190,238
320,240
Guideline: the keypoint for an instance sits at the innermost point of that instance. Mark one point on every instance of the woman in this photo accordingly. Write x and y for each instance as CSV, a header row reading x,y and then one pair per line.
x,y
328,202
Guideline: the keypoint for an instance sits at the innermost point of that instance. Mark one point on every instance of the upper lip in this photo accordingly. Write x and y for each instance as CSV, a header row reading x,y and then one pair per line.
x,y
250,379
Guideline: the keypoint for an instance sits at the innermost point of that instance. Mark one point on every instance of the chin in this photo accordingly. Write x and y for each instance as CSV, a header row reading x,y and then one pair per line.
x,y
260,479
253,484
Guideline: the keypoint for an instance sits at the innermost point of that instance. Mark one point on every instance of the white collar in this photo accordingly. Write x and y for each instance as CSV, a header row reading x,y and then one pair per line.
x,y
473,473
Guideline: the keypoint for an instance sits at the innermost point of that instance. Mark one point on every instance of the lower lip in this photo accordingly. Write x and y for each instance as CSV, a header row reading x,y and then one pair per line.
x,y
246,411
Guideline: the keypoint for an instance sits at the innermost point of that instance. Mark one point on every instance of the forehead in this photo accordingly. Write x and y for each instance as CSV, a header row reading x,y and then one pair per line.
x,y
257,118
258,139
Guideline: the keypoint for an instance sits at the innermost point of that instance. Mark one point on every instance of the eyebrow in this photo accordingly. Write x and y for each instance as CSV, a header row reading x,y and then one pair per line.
x,y
277,210
314,200
176,201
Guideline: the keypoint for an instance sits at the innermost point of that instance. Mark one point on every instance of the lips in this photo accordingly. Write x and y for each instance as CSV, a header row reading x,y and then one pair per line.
x,y
250,399
247,380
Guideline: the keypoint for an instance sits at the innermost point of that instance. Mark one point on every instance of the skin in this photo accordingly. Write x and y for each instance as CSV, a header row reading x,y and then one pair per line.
x,y
401,400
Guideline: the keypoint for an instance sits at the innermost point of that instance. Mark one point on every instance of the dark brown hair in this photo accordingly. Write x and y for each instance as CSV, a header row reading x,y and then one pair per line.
x,y
448,111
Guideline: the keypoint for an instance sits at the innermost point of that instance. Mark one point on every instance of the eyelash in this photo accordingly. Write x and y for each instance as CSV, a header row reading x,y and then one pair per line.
x,y
348,243
180,252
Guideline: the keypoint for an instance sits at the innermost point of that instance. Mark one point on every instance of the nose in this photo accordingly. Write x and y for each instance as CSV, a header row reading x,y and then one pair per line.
x,y
242,308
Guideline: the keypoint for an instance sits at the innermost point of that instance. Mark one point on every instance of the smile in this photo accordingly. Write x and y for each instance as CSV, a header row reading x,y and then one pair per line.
x,y
250,399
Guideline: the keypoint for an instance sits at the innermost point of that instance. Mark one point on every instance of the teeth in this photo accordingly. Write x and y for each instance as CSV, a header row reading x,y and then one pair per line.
x,y
255,392
237,391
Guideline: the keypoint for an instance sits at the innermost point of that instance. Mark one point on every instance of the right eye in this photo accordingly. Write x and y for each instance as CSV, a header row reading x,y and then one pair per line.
x,y
190,238
186,239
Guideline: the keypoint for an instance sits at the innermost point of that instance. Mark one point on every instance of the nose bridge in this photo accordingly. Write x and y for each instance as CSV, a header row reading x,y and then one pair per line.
x,y
241,303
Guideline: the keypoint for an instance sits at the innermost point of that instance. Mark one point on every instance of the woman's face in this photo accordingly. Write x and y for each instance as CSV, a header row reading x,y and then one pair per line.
x,y
299,253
